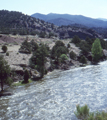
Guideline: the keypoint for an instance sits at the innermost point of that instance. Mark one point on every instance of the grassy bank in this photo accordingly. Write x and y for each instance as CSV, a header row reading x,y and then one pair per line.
x,y
20,83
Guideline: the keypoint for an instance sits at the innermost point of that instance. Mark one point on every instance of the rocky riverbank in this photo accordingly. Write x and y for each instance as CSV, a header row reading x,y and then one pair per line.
x,y
20,61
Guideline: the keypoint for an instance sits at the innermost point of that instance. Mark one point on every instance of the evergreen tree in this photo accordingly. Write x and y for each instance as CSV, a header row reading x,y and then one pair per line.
x,y
25,47
4,72
4,48
96,50
83,60
26,76
58,49
72,55
34,45
76,39
38,59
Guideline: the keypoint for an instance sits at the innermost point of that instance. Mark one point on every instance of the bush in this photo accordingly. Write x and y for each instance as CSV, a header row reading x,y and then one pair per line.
x,y
76,40
83,60
42,34
96,50
26,76
63,57
68,45
82,112
4,48
58,49
8,81
34,45
98,116
25,47
72,55
7,54
85,47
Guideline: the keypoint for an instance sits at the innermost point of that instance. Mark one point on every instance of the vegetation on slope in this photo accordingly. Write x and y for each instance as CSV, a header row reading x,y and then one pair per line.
x,y
12,22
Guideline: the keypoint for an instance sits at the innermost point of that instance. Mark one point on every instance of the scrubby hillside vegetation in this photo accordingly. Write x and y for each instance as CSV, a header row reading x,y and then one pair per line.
x,y
18,23
12,22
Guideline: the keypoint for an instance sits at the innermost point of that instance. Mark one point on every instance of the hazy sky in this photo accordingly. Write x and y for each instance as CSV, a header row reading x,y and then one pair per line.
x,y
89,8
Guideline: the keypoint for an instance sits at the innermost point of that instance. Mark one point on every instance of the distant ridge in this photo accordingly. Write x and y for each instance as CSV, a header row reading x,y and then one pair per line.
x,y
102,19
66,19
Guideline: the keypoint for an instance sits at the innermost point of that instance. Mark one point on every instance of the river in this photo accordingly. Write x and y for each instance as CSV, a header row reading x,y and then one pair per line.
x,y
55,96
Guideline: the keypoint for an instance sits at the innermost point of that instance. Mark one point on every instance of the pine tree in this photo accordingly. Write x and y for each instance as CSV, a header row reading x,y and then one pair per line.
x,y
38,59
96,50
4,48
4,72
26,76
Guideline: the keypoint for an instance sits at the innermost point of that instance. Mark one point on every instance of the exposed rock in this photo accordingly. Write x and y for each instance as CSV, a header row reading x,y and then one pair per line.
x,y
47,64
105,52
34,74
24,50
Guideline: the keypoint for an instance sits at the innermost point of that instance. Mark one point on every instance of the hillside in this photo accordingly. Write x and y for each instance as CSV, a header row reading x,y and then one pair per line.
x,y
78,19
12,22
18,23
61,21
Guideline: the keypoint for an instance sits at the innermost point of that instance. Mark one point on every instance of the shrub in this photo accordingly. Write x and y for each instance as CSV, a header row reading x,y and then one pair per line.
x,y
25,47
7,54
63,57
4,48
26,76
58,49
42,34
82,112
76,39
9,81
34,45
68,45
72,55
85,47
96,50
83,60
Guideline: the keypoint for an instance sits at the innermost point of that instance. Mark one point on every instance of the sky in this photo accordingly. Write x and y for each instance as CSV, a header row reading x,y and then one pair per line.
x,y
88,8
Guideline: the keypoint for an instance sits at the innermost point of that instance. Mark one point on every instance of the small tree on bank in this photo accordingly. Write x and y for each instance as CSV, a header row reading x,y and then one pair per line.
x,y
83,60
4,72
26,76
63,57
4,48
96,50
38,59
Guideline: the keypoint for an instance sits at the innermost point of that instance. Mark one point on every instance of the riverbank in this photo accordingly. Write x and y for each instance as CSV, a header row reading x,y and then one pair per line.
x,y
19,61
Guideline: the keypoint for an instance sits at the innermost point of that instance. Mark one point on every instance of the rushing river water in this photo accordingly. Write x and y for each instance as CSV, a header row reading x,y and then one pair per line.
x,y
55,97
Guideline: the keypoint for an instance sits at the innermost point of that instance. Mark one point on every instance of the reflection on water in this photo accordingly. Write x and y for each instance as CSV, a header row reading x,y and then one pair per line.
x,y
55,97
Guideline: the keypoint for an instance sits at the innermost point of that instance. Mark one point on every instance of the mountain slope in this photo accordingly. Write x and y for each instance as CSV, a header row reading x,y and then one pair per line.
x,y
18,23
78,19
61,21
12,22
